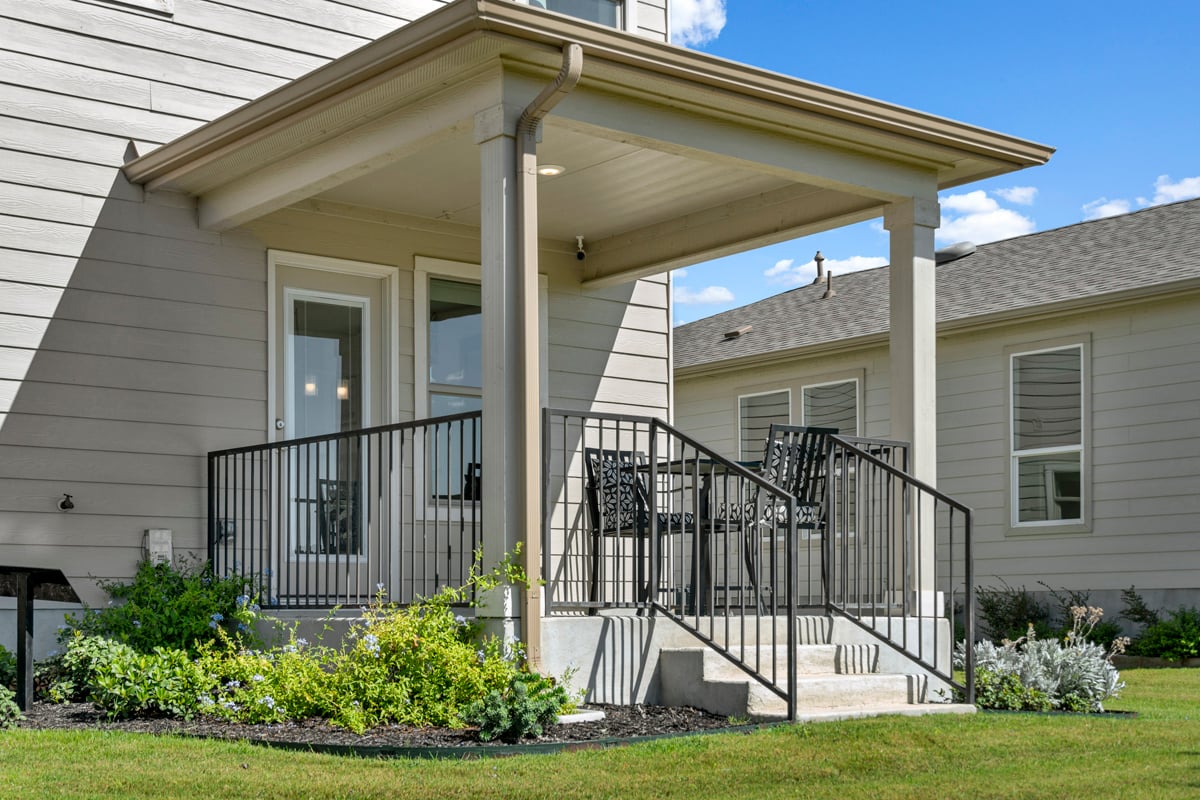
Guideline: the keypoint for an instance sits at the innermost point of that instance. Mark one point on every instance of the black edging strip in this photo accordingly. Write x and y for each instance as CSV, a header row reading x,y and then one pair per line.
x,y
486,750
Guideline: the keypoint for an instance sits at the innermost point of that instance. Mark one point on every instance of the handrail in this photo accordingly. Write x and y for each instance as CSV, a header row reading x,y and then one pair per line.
x,y
871,570
340,518
691,553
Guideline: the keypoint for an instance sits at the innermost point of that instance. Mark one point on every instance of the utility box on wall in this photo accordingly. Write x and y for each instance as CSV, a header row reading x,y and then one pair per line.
x,y
157,545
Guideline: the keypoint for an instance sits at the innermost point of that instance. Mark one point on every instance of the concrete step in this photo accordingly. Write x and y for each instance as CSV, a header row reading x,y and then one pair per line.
x,y
817,659
703,678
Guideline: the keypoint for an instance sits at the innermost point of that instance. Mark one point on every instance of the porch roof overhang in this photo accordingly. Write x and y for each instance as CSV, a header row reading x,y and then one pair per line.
x,y
673,157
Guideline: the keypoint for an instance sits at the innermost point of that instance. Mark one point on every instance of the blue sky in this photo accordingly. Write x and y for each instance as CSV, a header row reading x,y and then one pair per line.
x,y
1115,87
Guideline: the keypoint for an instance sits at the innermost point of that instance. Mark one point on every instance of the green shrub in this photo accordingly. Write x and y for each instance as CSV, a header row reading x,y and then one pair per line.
x,y
174,606
160,683
1136,609
1006,613
1173,638
10,712
8,670
83,657
527,707
124,682
1005,692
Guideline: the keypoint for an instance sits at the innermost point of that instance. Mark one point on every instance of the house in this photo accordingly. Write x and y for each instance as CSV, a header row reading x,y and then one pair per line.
x,y
290,284
1068,395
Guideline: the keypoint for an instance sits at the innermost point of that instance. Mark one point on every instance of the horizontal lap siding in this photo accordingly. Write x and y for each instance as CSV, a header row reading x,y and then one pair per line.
x,y
1145,449
131,342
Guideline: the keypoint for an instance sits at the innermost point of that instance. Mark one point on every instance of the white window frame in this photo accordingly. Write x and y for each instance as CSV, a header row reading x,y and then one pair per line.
x,y
858,410
425,268
738,415
1074,524
389,331
626,14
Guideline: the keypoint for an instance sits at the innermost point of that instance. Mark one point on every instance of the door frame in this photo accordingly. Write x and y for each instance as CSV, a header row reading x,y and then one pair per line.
x,y
388,275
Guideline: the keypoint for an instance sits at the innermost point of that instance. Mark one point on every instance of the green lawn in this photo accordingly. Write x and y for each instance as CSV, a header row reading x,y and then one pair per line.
x,y
1156,755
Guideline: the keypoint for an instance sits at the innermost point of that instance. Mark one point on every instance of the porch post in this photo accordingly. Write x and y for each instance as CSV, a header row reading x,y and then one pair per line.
x,y
913,357
505,382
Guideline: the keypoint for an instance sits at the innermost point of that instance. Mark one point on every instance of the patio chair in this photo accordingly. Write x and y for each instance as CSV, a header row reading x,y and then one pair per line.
x,y
793,460
619,506
338,524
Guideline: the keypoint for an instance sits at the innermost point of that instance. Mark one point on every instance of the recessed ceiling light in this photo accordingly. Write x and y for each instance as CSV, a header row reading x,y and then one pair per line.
x,y
550,170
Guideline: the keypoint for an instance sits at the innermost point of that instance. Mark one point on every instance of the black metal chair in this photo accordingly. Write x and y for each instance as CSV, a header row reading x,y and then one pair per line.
x,y
794,460
619,505
339,530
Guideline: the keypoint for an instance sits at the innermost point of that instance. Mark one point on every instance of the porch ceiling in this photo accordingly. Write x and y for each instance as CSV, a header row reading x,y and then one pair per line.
x,y
671,156
609,187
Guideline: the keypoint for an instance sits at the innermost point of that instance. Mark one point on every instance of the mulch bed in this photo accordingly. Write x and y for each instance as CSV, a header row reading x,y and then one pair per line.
x,y
619,723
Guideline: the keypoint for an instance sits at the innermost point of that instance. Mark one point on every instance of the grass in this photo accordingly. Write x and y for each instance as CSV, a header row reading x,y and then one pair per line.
x,y
1156,755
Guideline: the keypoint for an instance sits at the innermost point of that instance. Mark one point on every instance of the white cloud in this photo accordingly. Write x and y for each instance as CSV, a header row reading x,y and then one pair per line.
x,y
1021,195
788,273
977,217
976,202
781,267
1167,192
1103,207
1164,192
706,296
695,22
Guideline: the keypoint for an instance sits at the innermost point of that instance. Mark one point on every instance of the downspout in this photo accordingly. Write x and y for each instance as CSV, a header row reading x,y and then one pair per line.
x,y
527,290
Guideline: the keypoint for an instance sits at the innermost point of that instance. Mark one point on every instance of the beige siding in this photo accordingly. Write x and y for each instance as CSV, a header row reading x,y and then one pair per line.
x,y
1144,449
130,341
652,18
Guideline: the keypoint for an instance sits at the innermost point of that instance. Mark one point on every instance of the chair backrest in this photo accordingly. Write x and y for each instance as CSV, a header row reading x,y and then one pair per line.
x,y
615,492
794,460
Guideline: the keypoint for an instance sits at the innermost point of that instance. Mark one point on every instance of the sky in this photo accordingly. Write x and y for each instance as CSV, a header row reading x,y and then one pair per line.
x,y
1115,87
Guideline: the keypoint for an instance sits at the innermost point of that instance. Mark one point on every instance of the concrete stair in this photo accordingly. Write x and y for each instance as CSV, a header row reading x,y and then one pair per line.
x,y
834,680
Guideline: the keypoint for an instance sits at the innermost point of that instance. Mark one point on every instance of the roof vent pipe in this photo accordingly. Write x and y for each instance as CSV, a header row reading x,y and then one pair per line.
x,y
820,259
829,292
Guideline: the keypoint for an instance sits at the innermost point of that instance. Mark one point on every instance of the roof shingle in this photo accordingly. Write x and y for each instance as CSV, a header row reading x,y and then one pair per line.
x,y
1151,247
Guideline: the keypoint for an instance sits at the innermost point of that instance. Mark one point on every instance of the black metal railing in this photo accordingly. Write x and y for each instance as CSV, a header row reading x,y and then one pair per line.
x,y
898,556
639,515
343,518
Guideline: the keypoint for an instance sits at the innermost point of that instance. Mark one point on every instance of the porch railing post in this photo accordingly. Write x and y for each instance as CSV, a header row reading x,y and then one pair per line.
x,y
212,513
793,556
652,570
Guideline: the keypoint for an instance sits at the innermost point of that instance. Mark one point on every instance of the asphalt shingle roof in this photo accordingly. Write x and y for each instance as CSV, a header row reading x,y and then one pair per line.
x,y
1151,247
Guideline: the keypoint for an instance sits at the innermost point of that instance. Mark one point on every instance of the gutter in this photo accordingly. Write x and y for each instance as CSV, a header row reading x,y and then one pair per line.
x,y
527,312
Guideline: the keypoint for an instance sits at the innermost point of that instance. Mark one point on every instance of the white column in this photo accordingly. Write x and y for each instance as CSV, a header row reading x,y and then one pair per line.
x,y
505,493
913,341
913,357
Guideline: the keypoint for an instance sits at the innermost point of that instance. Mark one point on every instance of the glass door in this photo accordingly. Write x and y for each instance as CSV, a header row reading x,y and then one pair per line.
x,y
328,337
326,353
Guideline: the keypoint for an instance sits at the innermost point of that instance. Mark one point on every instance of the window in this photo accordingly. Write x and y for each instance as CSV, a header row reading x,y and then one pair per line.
x,y
455,380
1047,436
832,405
756,414
605,12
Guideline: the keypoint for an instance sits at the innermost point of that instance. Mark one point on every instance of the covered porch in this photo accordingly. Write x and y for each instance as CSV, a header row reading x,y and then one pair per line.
x,y
443,134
